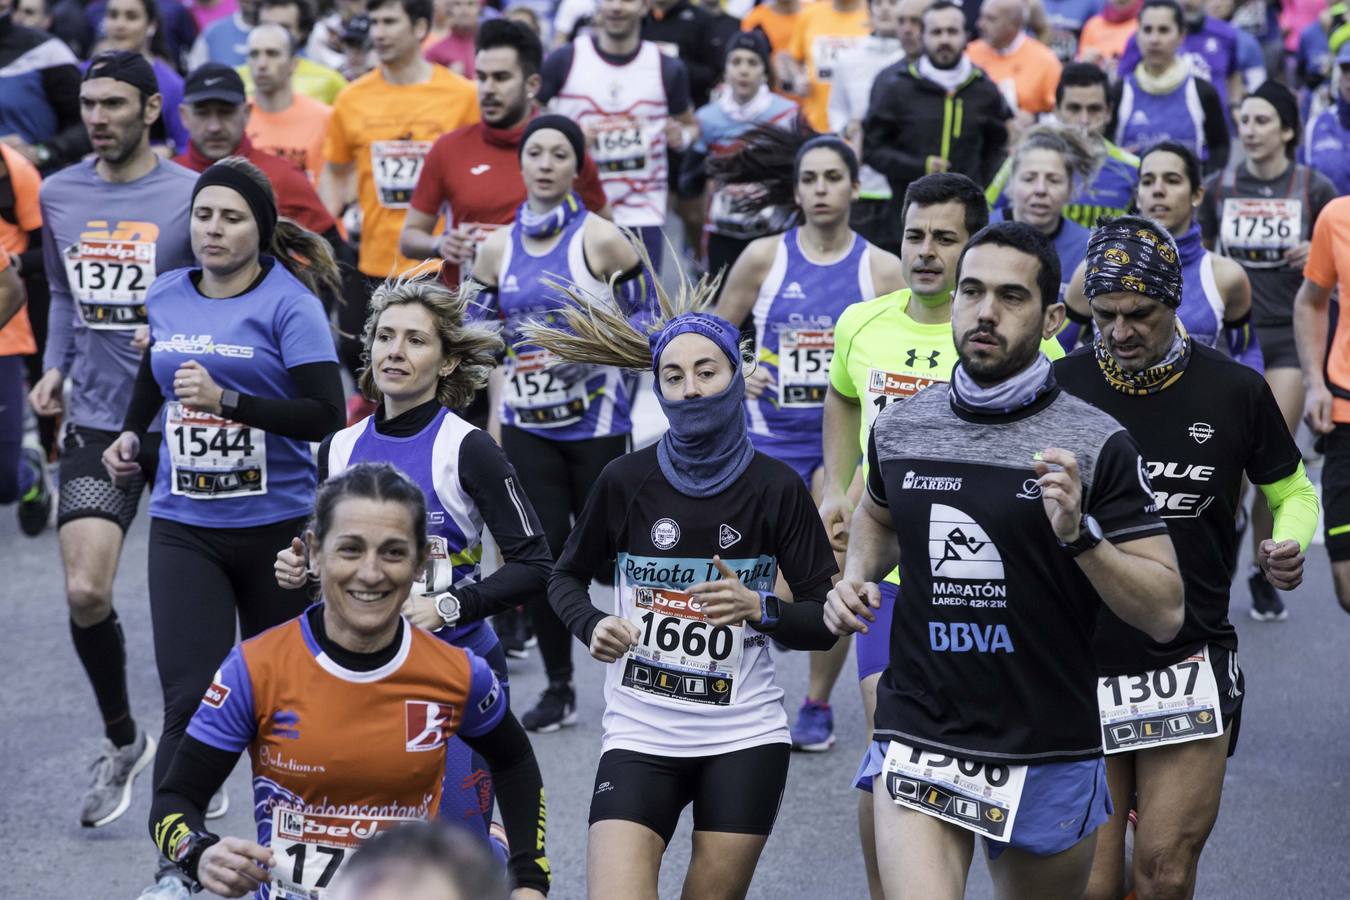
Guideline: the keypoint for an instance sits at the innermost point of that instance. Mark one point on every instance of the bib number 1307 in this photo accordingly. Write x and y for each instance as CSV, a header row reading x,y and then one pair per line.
x,y
1171,705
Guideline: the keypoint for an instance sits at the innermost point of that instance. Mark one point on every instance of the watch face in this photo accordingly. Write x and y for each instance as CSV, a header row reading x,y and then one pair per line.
x,y
1094,528
447,605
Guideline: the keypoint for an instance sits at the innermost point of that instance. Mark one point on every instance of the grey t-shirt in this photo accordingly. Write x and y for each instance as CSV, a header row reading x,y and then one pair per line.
x,y
103,243
1255,221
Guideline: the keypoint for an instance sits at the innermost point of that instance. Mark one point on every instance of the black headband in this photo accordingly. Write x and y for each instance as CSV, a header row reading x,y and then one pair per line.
x,y
569,129
833,143
1134,254
258,199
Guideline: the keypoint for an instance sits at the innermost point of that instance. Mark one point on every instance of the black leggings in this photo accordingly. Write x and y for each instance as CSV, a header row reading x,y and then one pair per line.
x,y
557,477
200,580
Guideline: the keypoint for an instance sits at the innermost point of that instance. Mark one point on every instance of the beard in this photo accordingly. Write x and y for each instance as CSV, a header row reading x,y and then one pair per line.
x,y
1013,359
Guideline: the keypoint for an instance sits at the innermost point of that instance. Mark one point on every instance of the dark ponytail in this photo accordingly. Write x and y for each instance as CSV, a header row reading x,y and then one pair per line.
x,y
769,157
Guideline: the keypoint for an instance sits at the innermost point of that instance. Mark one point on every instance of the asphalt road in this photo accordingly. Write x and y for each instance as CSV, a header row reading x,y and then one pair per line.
x,y
1282,833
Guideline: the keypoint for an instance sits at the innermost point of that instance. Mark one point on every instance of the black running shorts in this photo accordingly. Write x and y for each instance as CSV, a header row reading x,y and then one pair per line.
x,y
738,792
86,489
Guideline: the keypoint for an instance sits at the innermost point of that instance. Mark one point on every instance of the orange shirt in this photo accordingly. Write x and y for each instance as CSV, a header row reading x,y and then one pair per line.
x,y
1103,43
295,135
1030,72
16,338
1328,267
387,129
778,26
821,36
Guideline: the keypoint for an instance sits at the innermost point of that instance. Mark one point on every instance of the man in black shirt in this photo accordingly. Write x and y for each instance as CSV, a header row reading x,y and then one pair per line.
x,y
1170,711
1014,510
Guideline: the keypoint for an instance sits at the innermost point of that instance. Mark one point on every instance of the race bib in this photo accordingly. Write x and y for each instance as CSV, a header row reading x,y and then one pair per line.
x,y
212,457
978,797
395,166
621,145
539,397
825,52
884,388
1256,231
804,367
108,280
680,654
311,849
1166,706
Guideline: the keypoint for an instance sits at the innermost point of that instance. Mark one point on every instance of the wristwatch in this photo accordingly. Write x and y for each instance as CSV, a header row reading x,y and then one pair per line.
x,y
447,607
770,610
187,855
229,401
1089,536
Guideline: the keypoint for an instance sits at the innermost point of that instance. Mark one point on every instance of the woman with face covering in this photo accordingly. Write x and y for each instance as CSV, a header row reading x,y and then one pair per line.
x,y
1216,299
424,361
369,702
1162,99
240,376
699,525
559,424
1261,215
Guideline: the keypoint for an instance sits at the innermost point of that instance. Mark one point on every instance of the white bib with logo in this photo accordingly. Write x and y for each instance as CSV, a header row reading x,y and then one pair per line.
x,y
804,356
213,457
108,280
1171,705
395,165
311,849
975,796
680,655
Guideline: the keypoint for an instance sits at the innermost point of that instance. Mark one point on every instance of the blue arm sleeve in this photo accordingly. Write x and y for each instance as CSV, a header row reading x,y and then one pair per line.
x,y
487,701
1242,343
225,718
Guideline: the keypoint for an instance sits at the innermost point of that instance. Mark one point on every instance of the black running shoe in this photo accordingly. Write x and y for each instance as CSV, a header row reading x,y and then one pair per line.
x,y
1266,603
557,707
35,507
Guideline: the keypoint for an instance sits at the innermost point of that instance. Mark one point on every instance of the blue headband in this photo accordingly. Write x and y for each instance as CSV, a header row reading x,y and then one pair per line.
x,y
714,328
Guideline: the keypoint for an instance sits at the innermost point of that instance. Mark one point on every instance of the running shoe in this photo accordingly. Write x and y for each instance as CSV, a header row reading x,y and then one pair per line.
x,y
169,887
114,771
219,805
35,507
557,707
1266,603
813,732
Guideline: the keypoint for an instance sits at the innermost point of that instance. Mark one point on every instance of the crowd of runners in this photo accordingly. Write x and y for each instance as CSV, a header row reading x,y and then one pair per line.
x,y
983,334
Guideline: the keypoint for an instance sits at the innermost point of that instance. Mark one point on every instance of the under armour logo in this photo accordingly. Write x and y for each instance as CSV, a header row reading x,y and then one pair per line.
x,y
912,358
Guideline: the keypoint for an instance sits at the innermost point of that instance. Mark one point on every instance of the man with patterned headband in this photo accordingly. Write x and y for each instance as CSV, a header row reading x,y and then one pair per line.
x,y
1201,421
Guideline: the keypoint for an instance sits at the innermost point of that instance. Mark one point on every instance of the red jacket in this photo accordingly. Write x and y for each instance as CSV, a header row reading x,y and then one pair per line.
x,y
296,199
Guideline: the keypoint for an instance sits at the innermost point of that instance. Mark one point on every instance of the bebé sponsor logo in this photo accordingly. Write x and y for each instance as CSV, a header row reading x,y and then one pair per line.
x,y
122,252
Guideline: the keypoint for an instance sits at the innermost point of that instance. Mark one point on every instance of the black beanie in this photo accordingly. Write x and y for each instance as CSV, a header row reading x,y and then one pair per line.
x,y
570,130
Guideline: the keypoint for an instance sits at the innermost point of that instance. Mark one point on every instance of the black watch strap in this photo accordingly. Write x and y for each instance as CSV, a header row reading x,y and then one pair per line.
x,y
188,855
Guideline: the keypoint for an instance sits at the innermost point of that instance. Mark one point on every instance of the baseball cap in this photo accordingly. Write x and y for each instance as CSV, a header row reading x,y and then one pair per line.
x,y
214,81
125,66
356,31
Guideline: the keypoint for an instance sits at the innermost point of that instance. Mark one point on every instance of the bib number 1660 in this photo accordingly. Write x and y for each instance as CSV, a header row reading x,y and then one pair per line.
x,y
695,637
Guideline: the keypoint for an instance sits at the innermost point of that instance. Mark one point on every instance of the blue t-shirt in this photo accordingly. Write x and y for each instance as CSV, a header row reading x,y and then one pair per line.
x,y
212,472
1212,52
1326,142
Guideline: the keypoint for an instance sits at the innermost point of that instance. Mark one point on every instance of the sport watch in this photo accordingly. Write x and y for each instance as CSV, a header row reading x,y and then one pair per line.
x,y
187,855
1089,536
770,611
447,607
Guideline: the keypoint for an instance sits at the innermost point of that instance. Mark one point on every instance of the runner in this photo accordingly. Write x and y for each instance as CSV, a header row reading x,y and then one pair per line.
x,y
632,103
1170,711
472,175
23,470
1037,513
383,124
99,265
822,34
241,360
1215,296
1322,352
133,25
692,711
889,349
281,120
1163,99
426,362
746,101
1083,99
559,425
1326,141
308,77
1049,165
795,285
351,651
1261,215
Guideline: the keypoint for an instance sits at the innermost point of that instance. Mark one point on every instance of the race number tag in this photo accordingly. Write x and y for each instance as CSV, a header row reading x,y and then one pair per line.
x,y
108,280
825,52
621,146
311,849
884,388
538,396
804,367
976,796
396,165
1166,706
681,655
1257,231
212,457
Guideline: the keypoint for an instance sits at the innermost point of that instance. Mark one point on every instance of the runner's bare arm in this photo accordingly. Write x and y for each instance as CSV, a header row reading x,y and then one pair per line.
x,y
745,279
